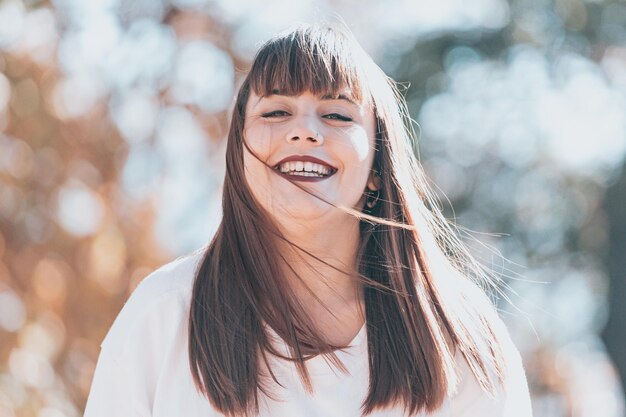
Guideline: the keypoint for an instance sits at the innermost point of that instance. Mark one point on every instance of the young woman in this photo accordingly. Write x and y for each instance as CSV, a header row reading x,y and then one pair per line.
x,y
333,287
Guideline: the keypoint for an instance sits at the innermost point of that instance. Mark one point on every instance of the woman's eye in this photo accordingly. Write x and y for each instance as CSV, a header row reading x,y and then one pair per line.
x,y
274,113
337,116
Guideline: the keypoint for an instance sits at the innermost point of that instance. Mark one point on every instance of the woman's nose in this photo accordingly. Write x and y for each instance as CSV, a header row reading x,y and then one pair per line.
x,y
305,130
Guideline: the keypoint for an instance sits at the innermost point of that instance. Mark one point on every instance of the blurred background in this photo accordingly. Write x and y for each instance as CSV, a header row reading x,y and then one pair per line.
x,y
113,118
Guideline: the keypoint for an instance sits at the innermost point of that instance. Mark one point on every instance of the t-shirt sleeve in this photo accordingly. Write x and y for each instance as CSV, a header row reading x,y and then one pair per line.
x,y
516,398
111,392
512,398
136,347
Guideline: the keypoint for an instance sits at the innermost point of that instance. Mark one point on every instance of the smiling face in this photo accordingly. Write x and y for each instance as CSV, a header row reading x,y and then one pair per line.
x,y
324,143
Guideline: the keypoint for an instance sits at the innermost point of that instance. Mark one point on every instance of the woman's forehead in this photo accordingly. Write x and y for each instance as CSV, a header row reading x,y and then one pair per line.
x,y
341,94
344,94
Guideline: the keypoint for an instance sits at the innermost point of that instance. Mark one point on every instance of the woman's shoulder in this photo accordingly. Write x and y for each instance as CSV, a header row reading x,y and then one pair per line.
x,y
147,335
511,399
175,276
158,305
512,396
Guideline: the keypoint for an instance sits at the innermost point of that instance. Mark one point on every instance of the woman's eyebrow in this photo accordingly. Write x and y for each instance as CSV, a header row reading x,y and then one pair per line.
x,y
339,97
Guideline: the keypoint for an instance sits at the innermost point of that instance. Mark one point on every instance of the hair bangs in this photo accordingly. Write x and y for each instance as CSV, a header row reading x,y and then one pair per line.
x,y
317,60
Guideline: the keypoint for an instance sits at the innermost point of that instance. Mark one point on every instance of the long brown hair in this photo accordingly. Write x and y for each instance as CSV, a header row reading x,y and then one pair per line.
x,y
416,275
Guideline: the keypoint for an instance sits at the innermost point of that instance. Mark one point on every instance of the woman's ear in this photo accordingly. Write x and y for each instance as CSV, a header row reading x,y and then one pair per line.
x,y
374,183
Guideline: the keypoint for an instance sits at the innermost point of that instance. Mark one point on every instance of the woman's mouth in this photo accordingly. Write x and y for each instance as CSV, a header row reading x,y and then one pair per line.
x,y
304,169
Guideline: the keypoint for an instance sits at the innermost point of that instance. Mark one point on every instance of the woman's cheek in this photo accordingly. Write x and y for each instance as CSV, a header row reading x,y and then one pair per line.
x,y
258,138
361,145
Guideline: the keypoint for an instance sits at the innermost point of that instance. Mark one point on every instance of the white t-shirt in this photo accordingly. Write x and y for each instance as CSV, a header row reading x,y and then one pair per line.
x,y
143,368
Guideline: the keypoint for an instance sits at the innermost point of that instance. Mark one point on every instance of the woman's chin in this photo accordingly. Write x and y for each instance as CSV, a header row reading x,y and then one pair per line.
x,y
301,210
311,212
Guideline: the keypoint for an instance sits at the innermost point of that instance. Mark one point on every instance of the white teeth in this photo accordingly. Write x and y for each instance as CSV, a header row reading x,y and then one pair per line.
x,y
305,174
304,168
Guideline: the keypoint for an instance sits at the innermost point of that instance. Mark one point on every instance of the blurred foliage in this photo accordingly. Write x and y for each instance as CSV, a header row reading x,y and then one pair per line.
x,y
113,116
523,130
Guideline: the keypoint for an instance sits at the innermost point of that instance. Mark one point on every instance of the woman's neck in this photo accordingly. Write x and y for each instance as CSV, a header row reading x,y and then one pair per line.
x,y
324,280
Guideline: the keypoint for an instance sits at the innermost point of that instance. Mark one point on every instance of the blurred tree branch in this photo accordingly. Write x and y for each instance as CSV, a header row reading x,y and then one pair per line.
x,y
614,334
